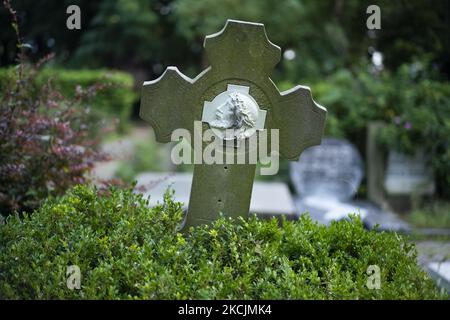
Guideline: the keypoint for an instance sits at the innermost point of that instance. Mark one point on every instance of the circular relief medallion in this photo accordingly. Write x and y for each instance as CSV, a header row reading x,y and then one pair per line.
x,y
234,114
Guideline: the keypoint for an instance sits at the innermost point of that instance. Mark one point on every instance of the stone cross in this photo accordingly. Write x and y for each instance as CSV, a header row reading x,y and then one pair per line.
x,y
235,92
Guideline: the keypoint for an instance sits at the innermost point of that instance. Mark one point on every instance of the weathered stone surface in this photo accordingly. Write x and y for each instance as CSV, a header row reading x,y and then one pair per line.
x,y
240,55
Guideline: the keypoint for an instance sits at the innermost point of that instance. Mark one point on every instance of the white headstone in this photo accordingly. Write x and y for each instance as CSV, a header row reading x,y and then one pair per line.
x,y
408,175
326,178
332,170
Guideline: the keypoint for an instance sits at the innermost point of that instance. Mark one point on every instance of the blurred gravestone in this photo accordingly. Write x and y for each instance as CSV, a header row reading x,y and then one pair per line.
x,y
395,179
440,271
326,178
235,93
332,170
408,175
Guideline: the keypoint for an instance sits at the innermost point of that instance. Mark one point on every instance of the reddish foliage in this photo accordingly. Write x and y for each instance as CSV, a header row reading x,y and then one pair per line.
x,y
44,142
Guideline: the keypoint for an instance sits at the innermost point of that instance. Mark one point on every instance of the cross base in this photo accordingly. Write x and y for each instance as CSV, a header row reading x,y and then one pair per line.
x,y
219,188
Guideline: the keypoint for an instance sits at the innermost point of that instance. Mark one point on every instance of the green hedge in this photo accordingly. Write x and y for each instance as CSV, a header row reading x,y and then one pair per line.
x,y
413,104
114,101
125,250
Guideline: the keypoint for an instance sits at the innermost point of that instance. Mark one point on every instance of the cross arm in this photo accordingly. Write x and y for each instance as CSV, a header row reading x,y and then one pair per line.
x,y
301,121
163,102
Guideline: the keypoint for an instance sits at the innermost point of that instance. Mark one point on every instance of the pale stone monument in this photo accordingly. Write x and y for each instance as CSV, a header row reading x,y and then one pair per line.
x,y
326,178
408,175
394,178
332,170
235,93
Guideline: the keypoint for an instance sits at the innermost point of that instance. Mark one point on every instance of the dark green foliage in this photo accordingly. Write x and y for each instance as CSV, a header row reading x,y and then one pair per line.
x,y
150,34
43,25
114,100
328,34
121,33
414,107
414,29
125,250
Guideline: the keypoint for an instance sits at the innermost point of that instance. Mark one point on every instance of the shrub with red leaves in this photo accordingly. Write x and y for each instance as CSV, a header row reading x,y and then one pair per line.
x,y
44,143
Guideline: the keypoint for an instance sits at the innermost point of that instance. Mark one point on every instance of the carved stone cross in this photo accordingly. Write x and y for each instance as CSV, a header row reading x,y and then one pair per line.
x,y
236,99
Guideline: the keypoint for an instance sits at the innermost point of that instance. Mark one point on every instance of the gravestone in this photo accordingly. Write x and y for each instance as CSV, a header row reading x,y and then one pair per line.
x,y
393,178
408,175
326,178
242,59
407,178
333,170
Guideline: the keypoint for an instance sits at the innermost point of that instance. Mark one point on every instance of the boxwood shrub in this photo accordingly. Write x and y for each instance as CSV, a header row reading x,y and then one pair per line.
x,y
125,250
114,101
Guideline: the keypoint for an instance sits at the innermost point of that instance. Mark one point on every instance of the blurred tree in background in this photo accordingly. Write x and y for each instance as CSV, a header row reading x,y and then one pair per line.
x,y
322,36
43,26
121,33
310,29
